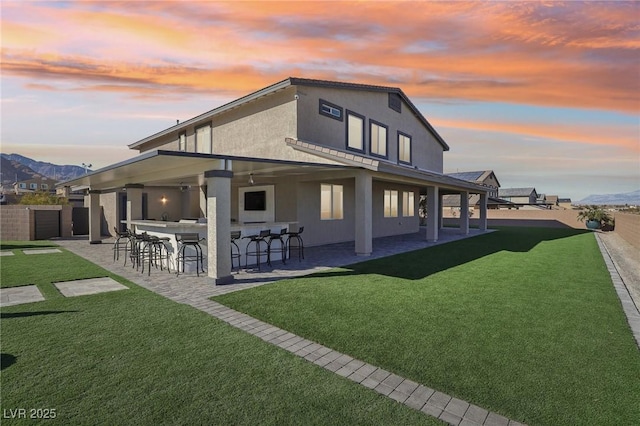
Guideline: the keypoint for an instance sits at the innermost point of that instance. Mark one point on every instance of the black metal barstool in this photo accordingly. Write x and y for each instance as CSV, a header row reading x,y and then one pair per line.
x,y
155,252
136,244
121,244
282,249
189,240
256,251
235,254
299,243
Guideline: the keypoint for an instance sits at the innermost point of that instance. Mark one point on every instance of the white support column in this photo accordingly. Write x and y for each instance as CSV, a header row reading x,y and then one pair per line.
x,y
483,211
95,217
433,208
134,203
440,211
464,213
219,225
364,213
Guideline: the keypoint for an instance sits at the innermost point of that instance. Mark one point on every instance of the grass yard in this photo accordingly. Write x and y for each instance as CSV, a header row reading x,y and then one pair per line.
x,y
134,357
524,322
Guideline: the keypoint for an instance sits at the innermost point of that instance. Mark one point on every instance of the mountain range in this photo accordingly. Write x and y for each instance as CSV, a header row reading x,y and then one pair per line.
x,y
630,198
16,166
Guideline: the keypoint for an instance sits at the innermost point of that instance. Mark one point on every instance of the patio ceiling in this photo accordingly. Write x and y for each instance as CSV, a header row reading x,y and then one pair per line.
x,y
171,168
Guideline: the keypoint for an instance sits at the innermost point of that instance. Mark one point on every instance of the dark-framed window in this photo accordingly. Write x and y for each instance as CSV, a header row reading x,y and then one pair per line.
x,y
404,148
204,140
182,141
330,110
378,139
355,131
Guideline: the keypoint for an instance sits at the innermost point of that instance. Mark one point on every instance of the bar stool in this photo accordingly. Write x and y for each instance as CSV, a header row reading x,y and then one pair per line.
x,y
282,249
121,244
299,243
192,240
136,244
256,251
155,251
235,254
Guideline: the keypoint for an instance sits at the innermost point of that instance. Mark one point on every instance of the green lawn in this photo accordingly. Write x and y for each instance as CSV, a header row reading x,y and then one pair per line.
x,y
134,357
523,321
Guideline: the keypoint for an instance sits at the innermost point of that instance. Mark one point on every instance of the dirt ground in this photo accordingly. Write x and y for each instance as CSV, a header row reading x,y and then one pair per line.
x,y
626,258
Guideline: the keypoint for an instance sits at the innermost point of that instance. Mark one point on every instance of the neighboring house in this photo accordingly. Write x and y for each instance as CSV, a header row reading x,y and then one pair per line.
x,y
565,203
520,196
486,178
34,185
347,161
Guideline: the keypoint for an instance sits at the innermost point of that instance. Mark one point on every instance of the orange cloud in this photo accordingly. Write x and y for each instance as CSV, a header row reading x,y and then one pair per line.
x,y
624,137
562,54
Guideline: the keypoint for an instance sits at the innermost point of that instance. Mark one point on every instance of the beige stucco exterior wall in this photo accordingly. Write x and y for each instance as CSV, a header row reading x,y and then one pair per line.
x,y
427,153
386,226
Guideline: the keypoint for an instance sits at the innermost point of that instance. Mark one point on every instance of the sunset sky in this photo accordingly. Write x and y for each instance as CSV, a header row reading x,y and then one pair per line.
x,y
546,94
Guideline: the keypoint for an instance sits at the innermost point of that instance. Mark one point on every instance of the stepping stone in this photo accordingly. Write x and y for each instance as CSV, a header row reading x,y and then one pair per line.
x,y
41,251
6,253
89,286
19,295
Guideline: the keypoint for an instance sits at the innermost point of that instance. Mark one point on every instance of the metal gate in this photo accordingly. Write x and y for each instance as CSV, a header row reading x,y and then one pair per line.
x,y
80,220
47,224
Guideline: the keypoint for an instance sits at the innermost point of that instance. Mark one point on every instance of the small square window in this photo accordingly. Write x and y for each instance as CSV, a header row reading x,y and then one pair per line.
x,y
330,110
33,186
22,185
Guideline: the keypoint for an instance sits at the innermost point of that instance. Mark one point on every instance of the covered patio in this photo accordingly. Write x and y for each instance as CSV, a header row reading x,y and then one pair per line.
x,y
205,186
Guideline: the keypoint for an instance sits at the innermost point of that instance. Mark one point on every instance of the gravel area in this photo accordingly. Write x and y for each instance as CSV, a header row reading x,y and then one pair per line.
x,y
626,259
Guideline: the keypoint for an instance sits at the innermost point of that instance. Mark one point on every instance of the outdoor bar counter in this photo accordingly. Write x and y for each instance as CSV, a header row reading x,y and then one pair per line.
x,y
167,229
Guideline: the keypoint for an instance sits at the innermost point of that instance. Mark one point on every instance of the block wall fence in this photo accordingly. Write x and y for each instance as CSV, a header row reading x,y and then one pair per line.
x,y
17,222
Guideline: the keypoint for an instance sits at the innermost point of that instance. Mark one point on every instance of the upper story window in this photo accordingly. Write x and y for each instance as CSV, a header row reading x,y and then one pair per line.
x,y
408,204
33,186
404,148
390,203
330,110
355,131
182,141
378,138
331,202
203,139
22,185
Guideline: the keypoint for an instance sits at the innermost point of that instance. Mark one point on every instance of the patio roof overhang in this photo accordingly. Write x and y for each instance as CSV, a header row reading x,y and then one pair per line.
x,y
172,168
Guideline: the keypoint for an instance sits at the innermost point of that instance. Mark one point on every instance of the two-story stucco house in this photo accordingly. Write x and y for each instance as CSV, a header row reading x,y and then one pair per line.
x,y
346,161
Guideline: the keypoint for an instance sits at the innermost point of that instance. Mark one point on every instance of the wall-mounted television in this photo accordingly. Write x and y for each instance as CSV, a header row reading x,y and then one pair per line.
x,y
255,200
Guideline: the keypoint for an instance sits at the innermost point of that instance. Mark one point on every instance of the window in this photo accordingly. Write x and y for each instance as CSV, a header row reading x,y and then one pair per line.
x,y
395,102
330,110
33,186
203,139
355,131
182,141
390,203
408,204
22,185
404,148
331,207
44,186
378,138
